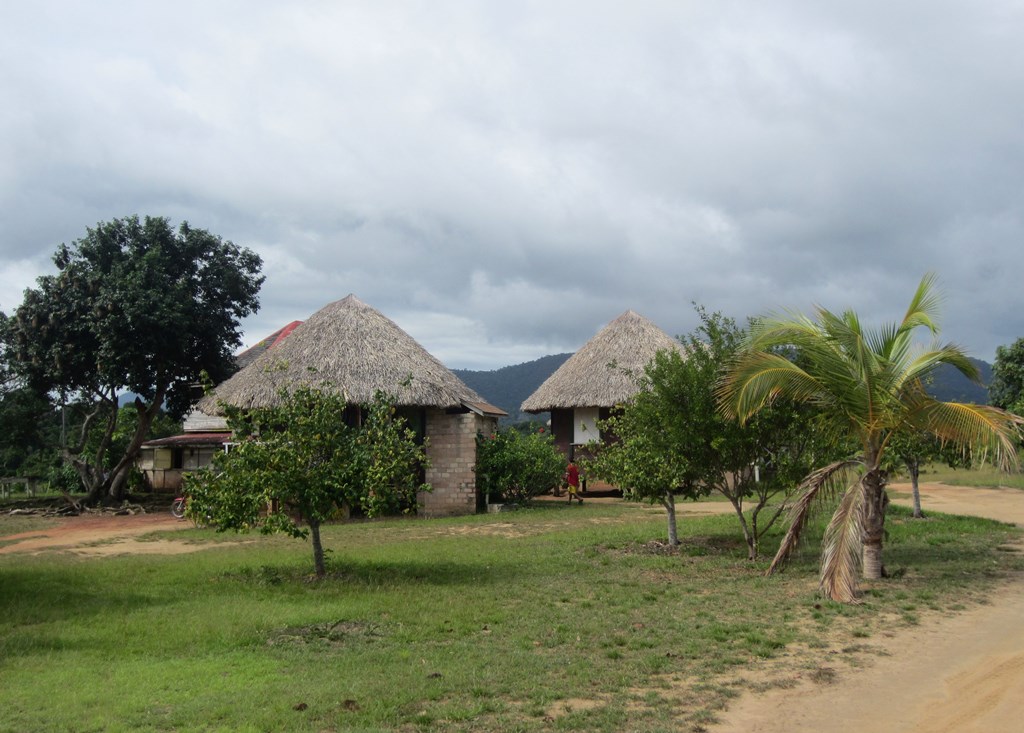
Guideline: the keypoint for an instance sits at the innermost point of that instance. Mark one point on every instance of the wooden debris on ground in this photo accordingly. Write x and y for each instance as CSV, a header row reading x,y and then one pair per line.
x,y
68,510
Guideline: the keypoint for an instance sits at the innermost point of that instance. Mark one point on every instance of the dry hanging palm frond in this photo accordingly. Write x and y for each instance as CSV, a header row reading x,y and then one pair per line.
x,y
822,482
840,557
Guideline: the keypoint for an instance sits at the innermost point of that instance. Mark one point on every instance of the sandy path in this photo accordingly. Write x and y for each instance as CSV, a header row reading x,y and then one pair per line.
x,y
118,535
963,673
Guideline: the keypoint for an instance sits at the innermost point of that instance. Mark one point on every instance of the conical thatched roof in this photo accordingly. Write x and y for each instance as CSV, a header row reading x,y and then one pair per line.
x,y
351,348
603,372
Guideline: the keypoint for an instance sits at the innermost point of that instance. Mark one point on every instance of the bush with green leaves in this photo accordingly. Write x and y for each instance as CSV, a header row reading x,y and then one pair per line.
x,y
301,462
1007,387
64,478
513,466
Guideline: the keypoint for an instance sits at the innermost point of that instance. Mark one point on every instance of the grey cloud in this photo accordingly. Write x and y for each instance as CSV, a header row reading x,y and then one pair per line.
x,y
505,181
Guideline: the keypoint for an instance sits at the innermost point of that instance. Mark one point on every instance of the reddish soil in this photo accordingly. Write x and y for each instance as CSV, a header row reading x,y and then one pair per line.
x,y
99,535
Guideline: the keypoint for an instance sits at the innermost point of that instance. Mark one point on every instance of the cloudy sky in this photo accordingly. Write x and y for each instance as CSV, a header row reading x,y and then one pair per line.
x,y
503,178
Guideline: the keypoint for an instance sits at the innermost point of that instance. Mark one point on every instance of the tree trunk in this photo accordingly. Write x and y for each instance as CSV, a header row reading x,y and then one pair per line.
x,y
748,536
318,549
119,475
89,472
93,486
873,522
914,468
669,502
755,531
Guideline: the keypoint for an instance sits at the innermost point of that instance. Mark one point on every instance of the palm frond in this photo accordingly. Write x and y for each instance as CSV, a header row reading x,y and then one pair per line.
x,y
886,341
982,427
924,306
776,330
844,361
843,330
756,378
840,556
823,482
926,362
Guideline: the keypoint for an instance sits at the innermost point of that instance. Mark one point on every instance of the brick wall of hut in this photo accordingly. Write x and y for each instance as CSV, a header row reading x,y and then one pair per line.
x,y
452,451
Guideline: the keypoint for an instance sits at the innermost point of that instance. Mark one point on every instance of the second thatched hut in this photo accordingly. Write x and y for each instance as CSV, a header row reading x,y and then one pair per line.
x,y
351,348
596,379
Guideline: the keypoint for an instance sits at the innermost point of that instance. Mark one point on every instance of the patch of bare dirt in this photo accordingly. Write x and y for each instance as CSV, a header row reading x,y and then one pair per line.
x,y
100,535
962,673
561,708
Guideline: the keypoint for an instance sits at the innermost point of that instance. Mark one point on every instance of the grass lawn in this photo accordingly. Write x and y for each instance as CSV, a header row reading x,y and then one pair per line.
x,y
987,475
553,618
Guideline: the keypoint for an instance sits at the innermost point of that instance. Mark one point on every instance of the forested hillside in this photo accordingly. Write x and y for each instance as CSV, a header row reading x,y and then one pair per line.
x,y
509,386
950,385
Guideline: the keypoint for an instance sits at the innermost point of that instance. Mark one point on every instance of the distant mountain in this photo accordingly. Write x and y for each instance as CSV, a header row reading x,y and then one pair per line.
x,y
950,385
509,386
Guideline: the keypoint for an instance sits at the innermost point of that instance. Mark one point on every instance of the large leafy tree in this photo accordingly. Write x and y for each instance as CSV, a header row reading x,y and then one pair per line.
x,y
1007,388
138,306
6,377
305,461
671,439
23,414
869,382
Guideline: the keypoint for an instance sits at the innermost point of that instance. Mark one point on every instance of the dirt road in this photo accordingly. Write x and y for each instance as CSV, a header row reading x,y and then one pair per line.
x,y
100,535
963,673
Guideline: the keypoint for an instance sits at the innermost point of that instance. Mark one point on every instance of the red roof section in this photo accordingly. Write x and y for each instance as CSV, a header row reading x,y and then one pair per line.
x,y
250,354
284,332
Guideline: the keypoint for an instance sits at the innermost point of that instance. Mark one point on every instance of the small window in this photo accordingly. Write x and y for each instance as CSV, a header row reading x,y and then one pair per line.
x,y
162,458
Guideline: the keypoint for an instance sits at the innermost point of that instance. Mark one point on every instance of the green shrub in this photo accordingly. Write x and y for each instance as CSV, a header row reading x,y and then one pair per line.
x,y
64,478
513,466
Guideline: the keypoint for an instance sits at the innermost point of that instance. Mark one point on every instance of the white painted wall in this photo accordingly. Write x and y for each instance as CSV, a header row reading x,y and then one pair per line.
x,y
584,422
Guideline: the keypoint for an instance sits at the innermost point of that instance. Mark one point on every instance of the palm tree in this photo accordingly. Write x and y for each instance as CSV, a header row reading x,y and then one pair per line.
x,y
869,384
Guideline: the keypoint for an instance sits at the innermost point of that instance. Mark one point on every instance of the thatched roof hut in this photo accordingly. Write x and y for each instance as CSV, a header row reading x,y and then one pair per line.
x,y
602,374
351,348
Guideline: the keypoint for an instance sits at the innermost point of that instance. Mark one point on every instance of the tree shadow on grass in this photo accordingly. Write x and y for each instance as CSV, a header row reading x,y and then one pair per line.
x,y
32,595
702,545
377,574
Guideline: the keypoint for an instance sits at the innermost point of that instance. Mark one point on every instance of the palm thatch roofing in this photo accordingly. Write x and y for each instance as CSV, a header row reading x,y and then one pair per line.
x,y
603,372
351,348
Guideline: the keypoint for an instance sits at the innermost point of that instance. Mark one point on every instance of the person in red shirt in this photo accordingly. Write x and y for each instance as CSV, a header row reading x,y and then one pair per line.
x,y
572,480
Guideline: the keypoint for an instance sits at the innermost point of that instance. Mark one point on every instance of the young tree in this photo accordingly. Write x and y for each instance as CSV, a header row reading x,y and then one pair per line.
x,y
672,438
642,459
914,448
869,384
1007,388
300,462
138,306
